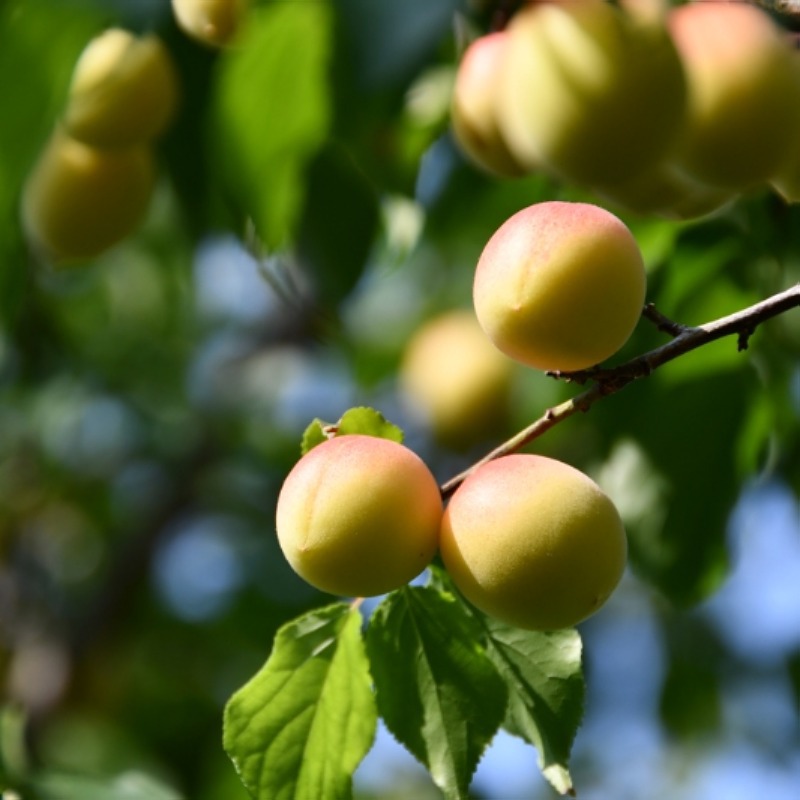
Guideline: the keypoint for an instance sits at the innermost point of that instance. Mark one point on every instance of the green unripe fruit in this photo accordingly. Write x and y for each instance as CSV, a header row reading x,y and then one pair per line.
x,y
124,90
213,23
560,286
533,542
743,117
79,200
592,93
473,108
359,516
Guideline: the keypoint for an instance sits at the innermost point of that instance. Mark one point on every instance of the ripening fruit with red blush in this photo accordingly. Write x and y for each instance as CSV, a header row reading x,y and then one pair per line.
x,y
359,516
560,286
589,91
533,542
473,112
743,118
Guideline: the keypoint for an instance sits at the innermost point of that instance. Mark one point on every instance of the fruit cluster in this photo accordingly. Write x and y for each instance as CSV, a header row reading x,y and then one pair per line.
x,y
525,538
671,111
93,181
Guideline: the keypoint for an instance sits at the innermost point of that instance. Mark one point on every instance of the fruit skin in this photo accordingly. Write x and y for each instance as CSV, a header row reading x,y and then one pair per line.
x,y
743,116
359,516
213,23
786,181
124,90
560,286
473,114
533,542
591,93
666,192
456,377
78,200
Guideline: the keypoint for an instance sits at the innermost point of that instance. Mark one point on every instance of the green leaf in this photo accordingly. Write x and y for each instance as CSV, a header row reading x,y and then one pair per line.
x,y
299,728
368,422
362,420
313,435
13,754
687,432
273,111
437,690
128,786
546,691
338,224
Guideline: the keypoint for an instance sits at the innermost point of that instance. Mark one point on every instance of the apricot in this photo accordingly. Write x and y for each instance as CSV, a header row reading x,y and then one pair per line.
x,y
667,192
359,516
79,200
560,286
533,542
593,93
213,23
743,115
123,91
456,378
786,180
473,113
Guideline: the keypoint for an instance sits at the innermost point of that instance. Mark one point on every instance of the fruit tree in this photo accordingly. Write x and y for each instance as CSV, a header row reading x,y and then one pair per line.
x,y
399,399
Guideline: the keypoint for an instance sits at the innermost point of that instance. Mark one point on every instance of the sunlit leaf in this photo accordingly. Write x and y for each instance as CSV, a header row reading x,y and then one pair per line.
x,y
302,724
368,422
546,691
437,690
273,111
313,435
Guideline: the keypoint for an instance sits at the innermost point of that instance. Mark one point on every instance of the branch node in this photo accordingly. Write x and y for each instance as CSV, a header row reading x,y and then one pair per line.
x,y
743,340
662,322
579,376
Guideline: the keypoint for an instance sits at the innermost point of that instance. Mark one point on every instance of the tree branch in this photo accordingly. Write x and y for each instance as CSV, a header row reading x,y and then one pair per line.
x,y
607,381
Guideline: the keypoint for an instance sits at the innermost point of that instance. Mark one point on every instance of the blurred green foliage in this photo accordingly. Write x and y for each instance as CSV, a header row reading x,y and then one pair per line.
x,y
312,211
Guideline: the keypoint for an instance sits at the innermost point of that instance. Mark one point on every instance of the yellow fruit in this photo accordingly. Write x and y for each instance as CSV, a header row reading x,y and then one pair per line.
x,y
124,90
744,100
473,114
590,92
667,192
787,182
456,377
533,542
78,200
359,516
560,286
214,23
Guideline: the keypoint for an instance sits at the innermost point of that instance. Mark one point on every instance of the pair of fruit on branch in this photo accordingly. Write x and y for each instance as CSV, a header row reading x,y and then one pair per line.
x,y
658,110
527,539
95,177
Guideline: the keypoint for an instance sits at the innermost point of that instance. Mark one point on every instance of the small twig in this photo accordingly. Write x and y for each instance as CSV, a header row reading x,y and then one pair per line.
x,y
663,323
611,380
